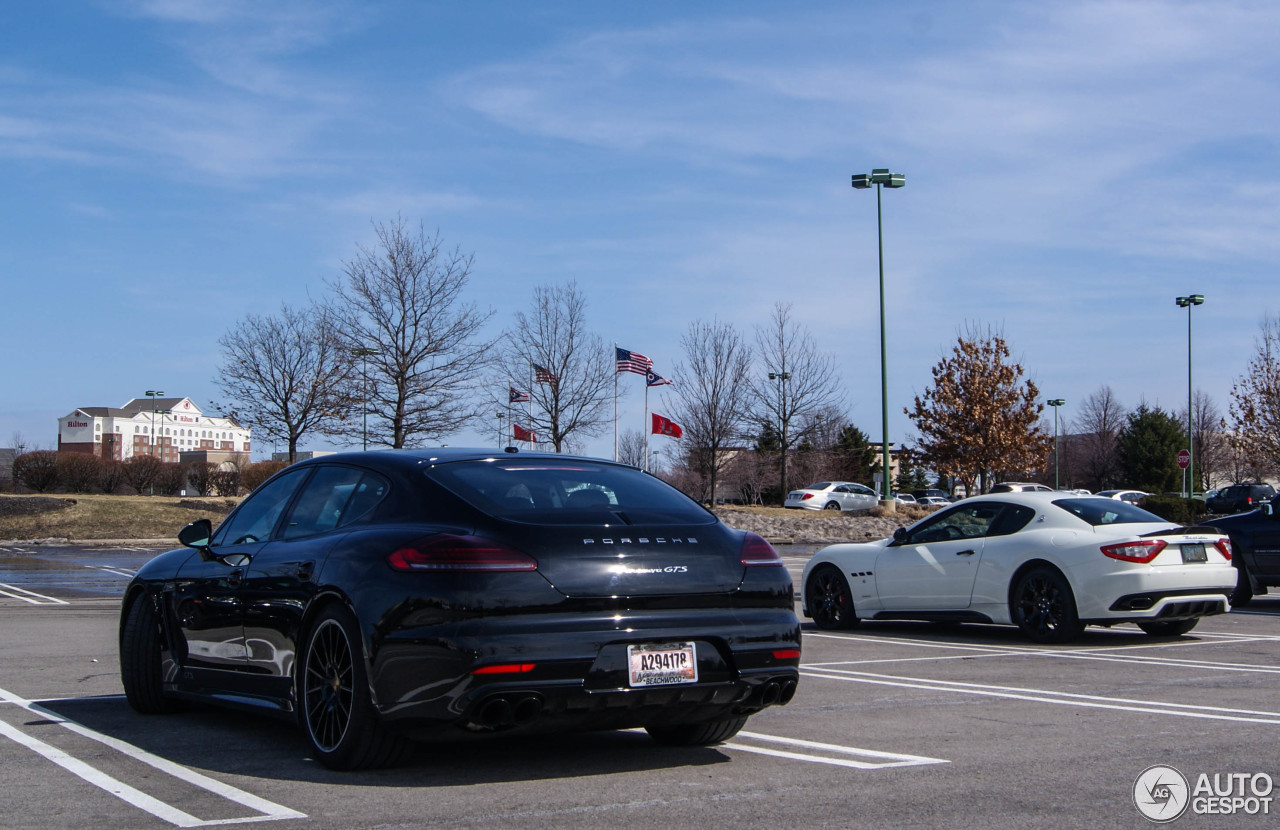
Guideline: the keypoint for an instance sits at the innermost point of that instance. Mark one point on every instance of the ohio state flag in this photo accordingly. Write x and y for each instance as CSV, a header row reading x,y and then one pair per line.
x,y
666,426
522,434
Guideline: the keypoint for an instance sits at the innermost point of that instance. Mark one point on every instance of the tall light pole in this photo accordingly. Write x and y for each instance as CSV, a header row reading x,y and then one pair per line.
x,y
364,354
881,177
153,394
1187,302
501,432
781,379
1055,403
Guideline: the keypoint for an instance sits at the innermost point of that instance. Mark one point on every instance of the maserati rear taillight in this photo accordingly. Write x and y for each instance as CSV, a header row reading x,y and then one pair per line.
x,y
447,552
756,552
1142,550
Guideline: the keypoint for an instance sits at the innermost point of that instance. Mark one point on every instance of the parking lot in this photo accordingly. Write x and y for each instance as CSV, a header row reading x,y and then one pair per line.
x,y
895,725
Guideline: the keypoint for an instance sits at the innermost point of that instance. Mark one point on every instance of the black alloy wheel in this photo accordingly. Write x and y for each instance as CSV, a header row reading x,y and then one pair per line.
x,y
337,712
829,599
703,733
1169,628
1043,606
140,667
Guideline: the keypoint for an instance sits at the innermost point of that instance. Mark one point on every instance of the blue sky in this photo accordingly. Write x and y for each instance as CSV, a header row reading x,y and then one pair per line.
x,y
171,165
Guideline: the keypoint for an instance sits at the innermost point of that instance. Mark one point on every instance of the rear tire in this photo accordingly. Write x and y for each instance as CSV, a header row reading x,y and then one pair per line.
x,y
1042,605
1170,628
140,645
829,600
704,733
832,505
336,709
1243,593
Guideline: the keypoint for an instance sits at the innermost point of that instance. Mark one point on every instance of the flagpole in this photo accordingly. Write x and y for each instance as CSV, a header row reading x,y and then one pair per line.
x,y
644,426
615,401
532,386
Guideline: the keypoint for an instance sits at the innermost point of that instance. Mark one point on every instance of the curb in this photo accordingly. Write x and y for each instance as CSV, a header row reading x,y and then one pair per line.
x,y
92,543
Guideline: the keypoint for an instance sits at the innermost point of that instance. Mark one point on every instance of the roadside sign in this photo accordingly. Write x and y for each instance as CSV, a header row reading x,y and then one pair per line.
x,y
1184,459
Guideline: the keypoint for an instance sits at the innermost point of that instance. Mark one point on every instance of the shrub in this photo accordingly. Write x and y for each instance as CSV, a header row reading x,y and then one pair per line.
x,y
140,472
170,479
226,482
79,472
110,476
252,476
200,476
37,470
1175,508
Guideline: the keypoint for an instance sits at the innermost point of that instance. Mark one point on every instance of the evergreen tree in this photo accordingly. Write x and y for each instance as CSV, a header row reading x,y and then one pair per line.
x,y
855,458
1148,450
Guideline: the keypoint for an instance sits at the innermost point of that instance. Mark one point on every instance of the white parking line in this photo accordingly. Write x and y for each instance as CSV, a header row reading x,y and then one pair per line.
x,y
14,592
127,574
1047,696
268,811
884,760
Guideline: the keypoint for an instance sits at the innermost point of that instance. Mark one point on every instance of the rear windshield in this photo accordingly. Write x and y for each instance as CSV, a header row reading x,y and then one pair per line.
x,y
555,491
1100,511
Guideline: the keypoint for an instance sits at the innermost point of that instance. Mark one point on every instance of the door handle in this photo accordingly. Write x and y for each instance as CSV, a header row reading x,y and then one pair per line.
x,y
966,553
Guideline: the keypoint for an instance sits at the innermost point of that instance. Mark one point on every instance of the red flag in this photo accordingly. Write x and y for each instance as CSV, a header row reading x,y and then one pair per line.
x,y
522,434
666,426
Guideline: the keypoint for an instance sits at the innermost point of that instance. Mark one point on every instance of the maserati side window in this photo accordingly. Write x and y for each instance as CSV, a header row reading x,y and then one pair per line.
x,y
258,514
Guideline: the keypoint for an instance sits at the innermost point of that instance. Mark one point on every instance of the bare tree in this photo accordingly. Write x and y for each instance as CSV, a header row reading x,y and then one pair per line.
x,y
572,399
1255,402
400,304
797,382
286,375
711,403
631,448
1212,453
1098,426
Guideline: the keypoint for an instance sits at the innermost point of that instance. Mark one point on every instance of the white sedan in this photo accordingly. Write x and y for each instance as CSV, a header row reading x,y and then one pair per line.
x,y
1046,563
833,495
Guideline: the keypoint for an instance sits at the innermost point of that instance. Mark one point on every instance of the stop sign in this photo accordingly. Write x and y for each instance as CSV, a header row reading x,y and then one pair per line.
x,y
1184,459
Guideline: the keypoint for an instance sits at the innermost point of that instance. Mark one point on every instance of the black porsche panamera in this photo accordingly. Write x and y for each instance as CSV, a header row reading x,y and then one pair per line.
x,y
378,598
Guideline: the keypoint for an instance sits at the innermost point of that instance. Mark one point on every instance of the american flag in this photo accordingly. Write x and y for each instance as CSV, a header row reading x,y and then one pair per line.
x,y
522,434
652,378
633,362
516,396
543,375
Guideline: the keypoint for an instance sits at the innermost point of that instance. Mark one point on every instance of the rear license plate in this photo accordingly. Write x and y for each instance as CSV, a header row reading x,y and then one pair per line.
x,y
1194,553
668,664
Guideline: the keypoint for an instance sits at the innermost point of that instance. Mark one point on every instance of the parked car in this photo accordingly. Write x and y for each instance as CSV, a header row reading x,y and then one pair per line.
x,y
380,597
1131,496
931,492
1019,487
904,498
933,501
1255,544
833,495
1240,497
1046,563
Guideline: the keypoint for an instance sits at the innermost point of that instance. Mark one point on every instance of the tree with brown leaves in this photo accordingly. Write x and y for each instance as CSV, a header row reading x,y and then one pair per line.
x,y
981,416
1255,403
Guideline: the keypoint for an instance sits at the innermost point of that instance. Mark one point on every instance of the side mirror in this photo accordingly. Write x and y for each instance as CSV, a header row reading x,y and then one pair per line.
x,y
196,535
900,535
1268,509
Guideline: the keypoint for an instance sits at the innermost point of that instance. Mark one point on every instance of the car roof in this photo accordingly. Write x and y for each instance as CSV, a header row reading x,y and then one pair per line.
x,y
405,459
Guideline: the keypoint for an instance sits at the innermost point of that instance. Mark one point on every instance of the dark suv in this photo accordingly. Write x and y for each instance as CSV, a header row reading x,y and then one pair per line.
x,y
1240,497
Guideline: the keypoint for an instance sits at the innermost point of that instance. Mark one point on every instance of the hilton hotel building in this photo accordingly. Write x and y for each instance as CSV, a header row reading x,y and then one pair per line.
x,y
175,427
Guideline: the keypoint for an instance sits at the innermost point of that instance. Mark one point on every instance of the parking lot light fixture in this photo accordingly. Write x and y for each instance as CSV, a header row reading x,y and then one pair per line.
x,y
881,178
1055,403
364,354
1187,302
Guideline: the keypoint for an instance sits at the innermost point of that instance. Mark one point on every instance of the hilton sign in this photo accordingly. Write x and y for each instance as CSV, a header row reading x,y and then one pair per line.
x,y
80,424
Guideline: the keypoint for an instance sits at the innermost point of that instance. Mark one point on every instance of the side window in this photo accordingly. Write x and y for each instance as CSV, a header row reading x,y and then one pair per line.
x,y
1013,518
966,522
258,514
322,501
366,496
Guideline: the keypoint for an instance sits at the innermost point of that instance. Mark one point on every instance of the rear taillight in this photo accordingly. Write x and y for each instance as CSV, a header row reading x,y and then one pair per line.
x,y
806,497
1143,550
1224,548
447,552
786,654
505,668
756,552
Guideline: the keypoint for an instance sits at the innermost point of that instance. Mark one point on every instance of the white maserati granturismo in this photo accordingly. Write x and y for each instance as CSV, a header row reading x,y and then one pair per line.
x,y
1049,563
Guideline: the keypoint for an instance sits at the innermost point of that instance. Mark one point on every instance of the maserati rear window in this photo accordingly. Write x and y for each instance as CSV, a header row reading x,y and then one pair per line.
x,y
1097,511
542,491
